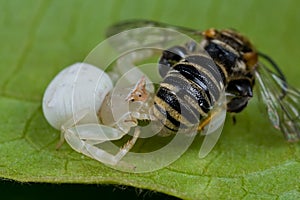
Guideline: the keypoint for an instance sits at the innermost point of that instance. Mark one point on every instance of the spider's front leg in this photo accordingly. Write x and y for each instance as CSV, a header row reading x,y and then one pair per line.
x,y
84,138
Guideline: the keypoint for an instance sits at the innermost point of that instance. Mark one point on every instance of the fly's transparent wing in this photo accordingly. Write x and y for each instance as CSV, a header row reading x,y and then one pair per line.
x,y
133,24
136,43
141,37
282,102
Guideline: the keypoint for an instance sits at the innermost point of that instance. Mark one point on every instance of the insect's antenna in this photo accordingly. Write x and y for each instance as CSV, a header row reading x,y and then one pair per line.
x,y
278,70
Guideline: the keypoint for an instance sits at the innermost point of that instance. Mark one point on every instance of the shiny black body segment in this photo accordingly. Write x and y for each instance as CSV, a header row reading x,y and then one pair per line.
x,y
189,88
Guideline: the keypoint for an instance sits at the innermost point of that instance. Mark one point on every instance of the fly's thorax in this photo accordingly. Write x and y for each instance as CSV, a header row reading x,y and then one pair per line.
x,y
231,51
237,59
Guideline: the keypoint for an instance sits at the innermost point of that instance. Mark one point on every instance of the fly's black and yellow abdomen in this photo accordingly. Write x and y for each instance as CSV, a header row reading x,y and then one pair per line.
x,y
188,92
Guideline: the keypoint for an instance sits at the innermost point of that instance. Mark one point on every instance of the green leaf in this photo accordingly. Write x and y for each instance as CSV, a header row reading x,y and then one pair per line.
x,y
40,38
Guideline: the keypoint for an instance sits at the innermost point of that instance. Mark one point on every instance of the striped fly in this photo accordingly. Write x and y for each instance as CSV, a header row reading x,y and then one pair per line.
x,y
195,74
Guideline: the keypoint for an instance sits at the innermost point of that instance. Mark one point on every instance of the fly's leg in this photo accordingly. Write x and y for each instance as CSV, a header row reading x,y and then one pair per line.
x,y
207,121
95,133
212,128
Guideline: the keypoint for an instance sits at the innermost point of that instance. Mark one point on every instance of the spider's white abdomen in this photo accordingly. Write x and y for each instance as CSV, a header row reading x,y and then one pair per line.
x,y
78,87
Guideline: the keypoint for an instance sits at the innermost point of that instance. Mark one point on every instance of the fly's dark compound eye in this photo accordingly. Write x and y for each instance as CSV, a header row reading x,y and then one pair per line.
x,y
240,91
237,104
240,88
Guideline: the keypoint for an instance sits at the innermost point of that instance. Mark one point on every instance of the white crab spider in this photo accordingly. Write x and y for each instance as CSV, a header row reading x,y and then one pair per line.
x,y
75,98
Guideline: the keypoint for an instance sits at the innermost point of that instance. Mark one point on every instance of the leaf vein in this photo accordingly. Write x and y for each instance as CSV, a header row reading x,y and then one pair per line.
x,y
27,125
20,98
29,42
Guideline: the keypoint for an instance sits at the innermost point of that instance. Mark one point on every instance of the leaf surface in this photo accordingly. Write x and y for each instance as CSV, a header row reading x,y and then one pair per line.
x,y
40,38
